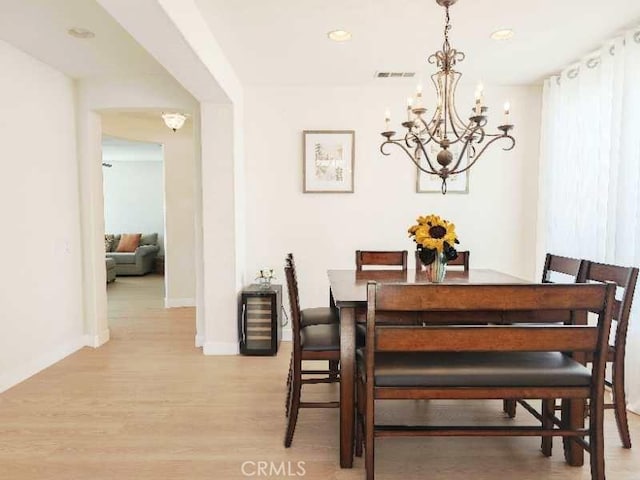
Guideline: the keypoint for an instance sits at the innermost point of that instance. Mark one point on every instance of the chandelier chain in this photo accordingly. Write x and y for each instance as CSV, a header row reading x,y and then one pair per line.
x,y
447,27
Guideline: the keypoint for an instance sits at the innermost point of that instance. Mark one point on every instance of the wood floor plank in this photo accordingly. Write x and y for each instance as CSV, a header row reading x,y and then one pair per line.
x,y
148,405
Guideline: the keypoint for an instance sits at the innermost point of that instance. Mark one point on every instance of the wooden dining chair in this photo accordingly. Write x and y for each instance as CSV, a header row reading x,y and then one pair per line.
x,y
625,278
569,270
311,342
573,269
316,315
379,258
461,261
485,362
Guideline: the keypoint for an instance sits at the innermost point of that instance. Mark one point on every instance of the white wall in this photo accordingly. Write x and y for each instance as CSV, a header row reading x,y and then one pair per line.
x,y
180,179
134,191
40,288
496,221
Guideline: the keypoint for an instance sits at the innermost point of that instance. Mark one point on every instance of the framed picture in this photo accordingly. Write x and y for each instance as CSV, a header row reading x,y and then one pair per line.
x,y
433,184
328,163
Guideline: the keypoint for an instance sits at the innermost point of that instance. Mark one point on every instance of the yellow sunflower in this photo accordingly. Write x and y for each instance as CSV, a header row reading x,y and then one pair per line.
x,y
432,232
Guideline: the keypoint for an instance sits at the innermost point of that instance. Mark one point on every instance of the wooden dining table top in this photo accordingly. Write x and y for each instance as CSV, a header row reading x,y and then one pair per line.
x,y
349,287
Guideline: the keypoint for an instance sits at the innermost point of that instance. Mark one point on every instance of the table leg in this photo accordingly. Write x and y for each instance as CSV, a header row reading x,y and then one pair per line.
x,y
347,374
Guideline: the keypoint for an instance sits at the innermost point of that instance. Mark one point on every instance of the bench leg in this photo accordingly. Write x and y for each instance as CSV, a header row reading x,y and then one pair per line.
x,y
509,407
548,411
573,418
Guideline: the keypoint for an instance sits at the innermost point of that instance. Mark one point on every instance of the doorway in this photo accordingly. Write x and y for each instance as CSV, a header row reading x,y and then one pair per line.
x,y
134,215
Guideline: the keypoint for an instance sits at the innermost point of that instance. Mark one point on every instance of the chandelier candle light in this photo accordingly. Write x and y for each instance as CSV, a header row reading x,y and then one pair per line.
x,y
446,128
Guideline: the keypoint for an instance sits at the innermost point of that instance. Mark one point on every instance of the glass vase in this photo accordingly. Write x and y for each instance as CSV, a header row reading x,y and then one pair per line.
x,y
264,283
437,269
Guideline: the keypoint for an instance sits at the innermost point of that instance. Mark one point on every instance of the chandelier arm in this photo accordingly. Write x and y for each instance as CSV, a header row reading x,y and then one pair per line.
x,y
469,135
483,150
432,133
385,143
462,153
418,138
412,137
468,130
406,138
479,128
513,143
411,157
497,135
425,127
433,171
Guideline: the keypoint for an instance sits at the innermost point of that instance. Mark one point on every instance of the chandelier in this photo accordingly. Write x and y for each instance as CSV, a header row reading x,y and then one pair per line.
x,y
445,133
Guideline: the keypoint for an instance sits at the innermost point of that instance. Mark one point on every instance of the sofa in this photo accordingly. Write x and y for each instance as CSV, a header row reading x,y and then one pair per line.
x,y
141,261
110,264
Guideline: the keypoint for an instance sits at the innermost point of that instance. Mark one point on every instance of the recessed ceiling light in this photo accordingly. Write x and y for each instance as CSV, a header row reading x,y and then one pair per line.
x,y
83,33
339,35
504,34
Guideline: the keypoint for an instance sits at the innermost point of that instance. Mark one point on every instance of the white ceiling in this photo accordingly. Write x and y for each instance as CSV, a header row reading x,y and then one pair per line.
x,y
39,27
284,42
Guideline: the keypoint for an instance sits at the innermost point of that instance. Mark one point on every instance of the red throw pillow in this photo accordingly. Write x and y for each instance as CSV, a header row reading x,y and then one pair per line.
x,y
129,242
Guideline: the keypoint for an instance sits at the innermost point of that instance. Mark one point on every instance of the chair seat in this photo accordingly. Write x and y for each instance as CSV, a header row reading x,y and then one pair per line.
x,y
315,338
317,316
452,369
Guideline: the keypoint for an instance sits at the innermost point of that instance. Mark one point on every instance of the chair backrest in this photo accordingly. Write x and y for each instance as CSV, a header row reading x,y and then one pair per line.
x,y
378,258
294,300
625,278
597,298
571,267
462,260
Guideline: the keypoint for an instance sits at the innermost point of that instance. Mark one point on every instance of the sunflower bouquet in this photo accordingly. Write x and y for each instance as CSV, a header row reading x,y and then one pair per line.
x,y
435,238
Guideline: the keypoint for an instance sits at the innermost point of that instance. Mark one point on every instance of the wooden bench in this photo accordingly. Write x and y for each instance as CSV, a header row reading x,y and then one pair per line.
x,y
486,362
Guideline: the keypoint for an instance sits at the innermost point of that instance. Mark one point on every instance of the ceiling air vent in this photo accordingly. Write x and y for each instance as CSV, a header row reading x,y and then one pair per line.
x,y
395,74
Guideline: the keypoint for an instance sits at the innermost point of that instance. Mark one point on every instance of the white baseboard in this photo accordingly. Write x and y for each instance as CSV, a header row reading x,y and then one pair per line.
x,y
287,335
199,341
179,302
221,348
96,341
34,365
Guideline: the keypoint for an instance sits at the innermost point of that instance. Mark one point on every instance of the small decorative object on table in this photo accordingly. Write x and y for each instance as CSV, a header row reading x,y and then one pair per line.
x,y
435,239
265,277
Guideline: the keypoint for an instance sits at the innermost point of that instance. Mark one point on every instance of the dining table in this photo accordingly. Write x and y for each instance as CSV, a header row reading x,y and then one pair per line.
x,y
348,295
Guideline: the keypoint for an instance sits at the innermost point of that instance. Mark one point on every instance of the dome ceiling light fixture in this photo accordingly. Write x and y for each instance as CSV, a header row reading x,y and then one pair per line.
x,y
81,33
446,145
339,35
503,34
174,121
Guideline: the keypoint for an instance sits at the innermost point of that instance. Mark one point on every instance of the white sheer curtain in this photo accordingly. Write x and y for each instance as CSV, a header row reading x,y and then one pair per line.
x,y
590,169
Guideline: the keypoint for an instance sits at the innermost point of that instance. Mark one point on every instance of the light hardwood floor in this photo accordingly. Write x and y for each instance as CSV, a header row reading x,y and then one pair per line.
x,y
149,405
